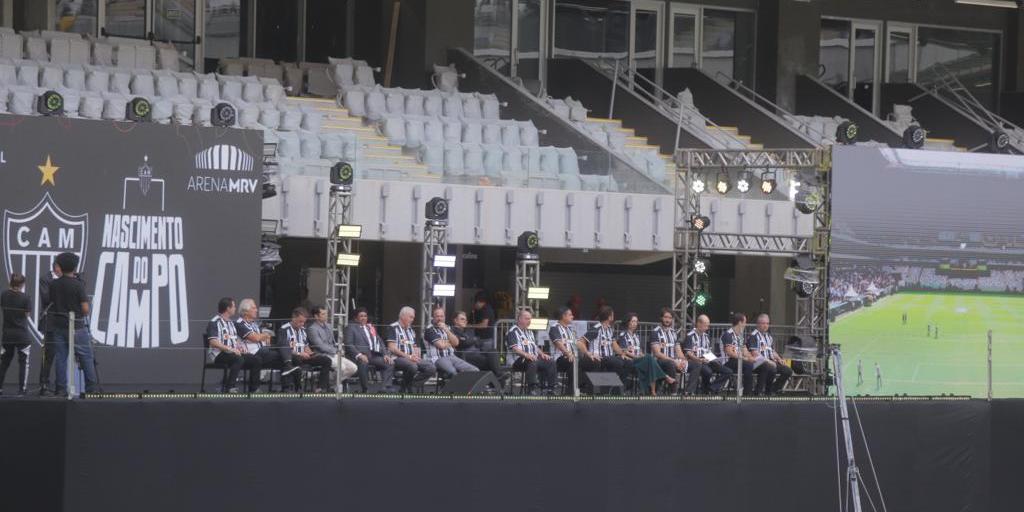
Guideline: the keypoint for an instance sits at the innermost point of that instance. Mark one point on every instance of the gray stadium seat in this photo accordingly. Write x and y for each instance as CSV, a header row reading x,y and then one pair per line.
x,y
28,73
51,77
453,163
11,46
8,74
471,108
364,76
393,127
312,120
375,104
183,112
163,109
355,102
452,106
167,58
270,117
102,54
35,49
120,82
413,133
22,100
414,105
145,57
471,133
114,107
473,159
60,51
395,102
291,120
142,84
91,106
74,78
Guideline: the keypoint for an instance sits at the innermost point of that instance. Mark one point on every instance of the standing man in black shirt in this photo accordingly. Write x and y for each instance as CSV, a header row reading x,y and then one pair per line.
x,y
68,296
483,319
16,338
46,326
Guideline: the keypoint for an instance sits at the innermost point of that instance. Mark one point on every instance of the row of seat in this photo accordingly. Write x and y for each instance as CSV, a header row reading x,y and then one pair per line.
x,y
376,102
414,131
74,49
492,159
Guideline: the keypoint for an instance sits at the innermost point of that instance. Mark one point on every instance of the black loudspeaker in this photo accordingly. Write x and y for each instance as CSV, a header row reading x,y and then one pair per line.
x,y
604,383
472,383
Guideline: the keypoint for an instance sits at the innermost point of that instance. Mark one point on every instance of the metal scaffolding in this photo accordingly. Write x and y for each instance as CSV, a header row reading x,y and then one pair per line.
x,y
435,242
339,213
527,276
688,242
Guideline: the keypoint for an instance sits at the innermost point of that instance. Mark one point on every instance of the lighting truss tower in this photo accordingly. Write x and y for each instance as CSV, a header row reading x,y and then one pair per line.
x,y
811,312
435,242
685,244
527,276
339,213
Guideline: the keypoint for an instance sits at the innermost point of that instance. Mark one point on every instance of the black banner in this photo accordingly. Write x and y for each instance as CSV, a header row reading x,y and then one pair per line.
x,y
164,218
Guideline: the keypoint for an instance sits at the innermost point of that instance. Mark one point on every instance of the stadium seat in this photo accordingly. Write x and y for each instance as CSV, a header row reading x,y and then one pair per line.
x,y
11,46
60,51
142,84
413,133
74,78
35,49
183,112
291,120
102,54
28,73
8,74
51,77
270,117
453,159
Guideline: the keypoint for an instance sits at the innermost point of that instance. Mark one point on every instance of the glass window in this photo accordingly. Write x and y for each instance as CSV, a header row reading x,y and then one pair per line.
x,y
646,39
126,18
834,55
684,27
77,16
972,57
223,36
325,29
277,28
592,28
528,39
728,44
899,57
175,21
864,68
492,32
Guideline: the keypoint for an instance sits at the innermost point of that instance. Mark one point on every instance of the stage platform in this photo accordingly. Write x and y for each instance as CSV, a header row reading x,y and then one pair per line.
x,y
164,453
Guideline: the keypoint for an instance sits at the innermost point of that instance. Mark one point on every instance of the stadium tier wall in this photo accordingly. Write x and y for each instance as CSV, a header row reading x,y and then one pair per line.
x,y
948,455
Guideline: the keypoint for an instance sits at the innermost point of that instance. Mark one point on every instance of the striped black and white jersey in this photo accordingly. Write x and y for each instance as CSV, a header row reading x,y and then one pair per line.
x,y
432,335
697,342
404,337
599,340
290,334
245,328
629,342
564,333
221,330
763,342
666,337
729,338
523,340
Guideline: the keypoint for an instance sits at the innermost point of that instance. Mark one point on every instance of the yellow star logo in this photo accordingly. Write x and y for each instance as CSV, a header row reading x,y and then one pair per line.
x,y
48,170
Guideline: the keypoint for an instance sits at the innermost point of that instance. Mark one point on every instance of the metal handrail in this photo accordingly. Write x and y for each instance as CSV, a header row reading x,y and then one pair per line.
x,y
670,107
779,111
943,86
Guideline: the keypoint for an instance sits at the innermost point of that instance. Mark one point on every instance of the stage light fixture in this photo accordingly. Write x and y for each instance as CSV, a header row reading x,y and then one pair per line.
x,y
846,132
138,110
807,201
527,244
722,184
743,183
701,299
223,115
341,175
444,290
768,182
999,141
349,231
444,261
437,210
700,266
698,185
803,289
269,190
700,222
348,260
538,324
50,103
537,293
914,136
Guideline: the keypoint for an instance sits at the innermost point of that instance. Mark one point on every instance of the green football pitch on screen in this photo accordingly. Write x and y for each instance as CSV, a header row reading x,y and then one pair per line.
x,y
914,361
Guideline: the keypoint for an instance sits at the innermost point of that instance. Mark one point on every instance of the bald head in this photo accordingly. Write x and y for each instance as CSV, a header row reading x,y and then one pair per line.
x,y
703,322
763,322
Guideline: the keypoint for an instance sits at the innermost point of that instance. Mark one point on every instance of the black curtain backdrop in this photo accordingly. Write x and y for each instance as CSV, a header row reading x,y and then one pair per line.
x,y
496,456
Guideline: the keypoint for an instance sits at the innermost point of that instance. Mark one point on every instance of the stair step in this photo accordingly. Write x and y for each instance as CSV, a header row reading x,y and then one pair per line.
x,y
603,120
730,129
384,148
755,145
351,122
936,140
389,156
641,146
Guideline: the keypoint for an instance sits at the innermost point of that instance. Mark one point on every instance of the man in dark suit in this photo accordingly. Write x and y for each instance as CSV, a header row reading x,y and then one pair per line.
x,y
364,346
46,328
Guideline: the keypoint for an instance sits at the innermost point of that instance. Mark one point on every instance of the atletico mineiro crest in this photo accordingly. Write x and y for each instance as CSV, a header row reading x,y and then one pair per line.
x,y
34,238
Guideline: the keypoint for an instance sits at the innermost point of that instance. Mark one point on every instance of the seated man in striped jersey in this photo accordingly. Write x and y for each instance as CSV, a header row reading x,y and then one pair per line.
x,y
597,345
402,344
539,367
761,345
706,370
563,337
667,350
